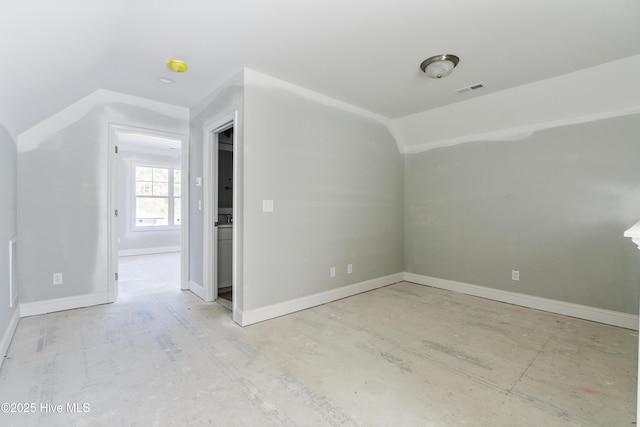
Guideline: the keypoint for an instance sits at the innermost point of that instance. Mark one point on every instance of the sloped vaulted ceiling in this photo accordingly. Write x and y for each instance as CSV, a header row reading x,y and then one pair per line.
x,y
365,53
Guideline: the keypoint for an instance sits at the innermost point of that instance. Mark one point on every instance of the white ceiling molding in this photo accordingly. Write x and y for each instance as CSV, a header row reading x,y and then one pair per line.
x,y
515,134
255,77
75,111
634,234
600,92
204,102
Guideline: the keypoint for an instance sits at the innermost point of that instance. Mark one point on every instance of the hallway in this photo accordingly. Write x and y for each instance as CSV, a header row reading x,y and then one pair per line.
x,y
148,275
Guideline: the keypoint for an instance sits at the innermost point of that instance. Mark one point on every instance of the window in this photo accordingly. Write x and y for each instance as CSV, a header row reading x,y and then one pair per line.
x,y
158,193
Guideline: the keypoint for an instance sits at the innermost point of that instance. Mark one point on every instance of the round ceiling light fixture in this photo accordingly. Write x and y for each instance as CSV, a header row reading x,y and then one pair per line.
x,y
439,66
178,66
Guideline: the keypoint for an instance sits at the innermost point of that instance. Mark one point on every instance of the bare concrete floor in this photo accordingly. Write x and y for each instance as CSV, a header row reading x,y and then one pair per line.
x,y
403,355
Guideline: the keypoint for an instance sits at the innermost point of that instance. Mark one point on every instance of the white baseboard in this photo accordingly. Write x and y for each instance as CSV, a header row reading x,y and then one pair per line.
x,y
148,251
8,334
61,304
249,317
624,320
197,289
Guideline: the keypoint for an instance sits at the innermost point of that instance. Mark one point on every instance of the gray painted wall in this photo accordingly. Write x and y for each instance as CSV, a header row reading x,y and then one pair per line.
x,y
336,180
62,203
553,205
8,224
140,239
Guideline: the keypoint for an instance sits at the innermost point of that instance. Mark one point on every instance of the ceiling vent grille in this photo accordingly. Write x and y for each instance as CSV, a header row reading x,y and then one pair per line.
x,y
470,88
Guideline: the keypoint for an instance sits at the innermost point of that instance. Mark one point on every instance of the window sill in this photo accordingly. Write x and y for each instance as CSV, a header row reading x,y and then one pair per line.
x,y
157,228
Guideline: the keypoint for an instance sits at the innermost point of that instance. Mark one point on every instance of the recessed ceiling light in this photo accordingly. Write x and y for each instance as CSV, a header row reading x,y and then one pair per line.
x,y
165,80
178,66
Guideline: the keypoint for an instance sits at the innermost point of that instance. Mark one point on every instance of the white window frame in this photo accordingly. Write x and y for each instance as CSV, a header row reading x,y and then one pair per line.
x,y
171,198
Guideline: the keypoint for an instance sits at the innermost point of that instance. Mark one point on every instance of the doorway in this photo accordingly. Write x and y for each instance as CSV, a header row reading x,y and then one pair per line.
x,y
148,204
224,257
222,202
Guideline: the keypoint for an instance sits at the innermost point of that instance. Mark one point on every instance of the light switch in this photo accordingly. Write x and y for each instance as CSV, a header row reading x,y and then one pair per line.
x,y
199,181
267,206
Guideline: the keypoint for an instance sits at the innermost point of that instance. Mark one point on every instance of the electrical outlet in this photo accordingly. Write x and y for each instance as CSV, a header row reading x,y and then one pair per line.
x,y
57,278
349,268
515,274
332,272
267,206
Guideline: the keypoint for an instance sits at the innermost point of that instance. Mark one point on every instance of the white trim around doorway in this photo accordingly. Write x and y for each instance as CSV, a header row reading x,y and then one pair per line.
x,y
210,132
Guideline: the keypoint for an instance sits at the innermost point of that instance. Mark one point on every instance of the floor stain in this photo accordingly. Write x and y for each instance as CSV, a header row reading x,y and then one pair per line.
x,y
313,399
47,337
589,391
146,316
401,364
455,353
170,348
493,328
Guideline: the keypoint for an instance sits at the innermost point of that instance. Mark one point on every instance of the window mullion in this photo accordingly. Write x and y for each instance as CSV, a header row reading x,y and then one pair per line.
x,y
170,196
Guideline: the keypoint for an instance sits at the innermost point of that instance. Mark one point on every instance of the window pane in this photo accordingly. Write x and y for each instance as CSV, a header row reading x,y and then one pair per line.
x,y
144,173
151,211
160,175
143,189
153,187
160,189
177,183
177,211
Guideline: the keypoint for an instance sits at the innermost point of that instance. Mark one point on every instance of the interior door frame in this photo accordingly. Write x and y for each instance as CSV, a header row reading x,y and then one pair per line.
x,y
210,206
112,203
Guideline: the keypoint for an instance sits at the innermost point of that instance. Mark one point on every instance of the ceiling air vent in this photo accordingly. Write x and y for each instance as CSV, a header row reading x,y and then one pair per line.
x,y
470,88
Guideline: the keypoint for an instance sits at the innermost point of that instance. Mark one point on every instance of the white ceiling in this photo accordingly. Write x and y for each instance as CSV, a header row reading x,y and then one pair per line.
x,y
363,52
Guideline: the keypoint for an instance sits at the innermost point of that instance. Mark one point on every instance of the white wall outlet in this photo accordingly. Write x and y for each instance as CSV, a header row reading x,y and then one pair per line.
x,y
349,268
515,274
267,206
57,278
332,272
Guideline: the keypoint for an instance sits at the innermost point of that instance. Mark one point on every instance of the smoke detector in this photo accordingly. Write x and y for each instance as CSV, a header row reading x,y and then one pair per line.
x,y
178,66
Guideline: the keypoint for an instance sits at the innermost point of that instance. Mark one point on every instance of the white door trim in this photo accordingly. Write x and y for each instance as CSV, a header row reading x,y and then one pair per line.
x,y
210,214
238,221
184,229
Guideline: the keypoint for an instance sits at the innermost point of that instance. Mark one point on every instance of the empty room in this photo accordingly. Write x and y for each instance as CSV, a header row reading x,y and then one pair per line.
x,y
319,213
